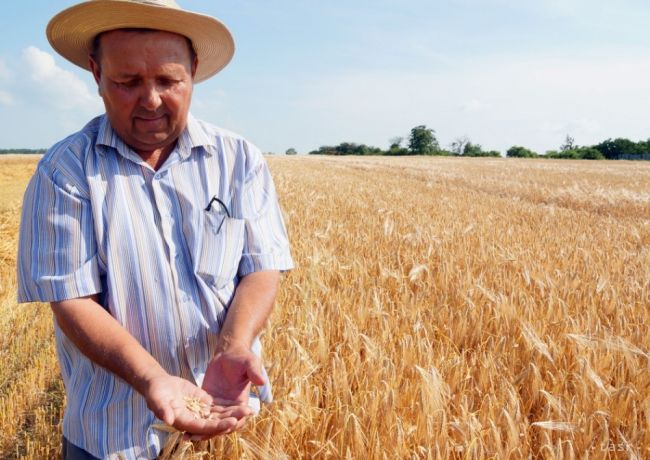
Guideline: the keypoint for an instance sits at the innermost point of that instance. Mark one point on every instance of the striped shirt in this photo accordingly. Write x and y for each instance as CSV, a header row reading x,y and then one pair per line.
x,y
97,219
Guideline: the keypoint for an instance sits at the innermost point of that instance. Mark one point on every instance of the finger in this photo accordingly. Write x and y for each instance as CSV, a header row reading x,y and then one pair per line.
x,y
224,427
205,437
211,428
226,403
238,412
241,423
195,437
254,373
223,406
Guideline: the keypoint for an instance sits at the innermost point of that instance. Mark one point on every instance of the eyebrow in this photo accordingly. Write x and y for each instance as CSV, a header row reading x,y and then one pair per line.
x,y
127,75
168,74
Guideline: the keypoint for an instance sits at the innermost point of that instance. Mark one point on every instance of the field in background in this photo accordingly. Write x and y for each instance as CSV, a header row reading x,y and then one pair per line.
x,y
441,307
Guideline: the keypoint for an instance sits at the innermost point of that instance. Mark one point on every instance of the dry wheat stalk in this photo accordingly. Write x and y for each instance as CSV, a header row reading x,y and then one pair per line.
x,y
441,308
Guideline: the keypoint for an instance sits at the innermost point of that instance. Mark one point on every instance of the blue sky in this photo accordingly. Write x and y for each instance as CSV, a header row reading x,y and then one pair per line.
x,y
306,74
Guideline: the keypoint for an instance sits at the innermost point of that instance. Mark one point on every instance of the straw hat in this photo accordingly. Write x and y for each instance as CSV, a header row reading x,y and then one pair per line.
x,y
72,31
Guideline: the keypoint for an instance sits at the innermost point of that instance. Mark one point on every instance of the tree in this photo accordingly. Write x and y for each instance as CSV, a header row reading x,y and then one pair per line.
x,y
475,150
569,154
422,141
472,150
396,147
517,151
617,148
643,149
458,145
291,151
569,144
395,142
347,148
590,153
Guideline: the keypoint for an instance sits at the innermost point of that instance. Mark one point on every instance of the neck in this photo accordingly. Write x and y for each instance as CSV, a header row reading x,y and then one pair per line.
x,y
156,158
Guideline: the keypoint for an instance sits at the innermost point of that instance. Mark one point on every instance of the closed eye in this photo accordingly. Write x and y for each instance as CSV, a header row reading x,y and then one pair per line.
x,y
167,81
128,83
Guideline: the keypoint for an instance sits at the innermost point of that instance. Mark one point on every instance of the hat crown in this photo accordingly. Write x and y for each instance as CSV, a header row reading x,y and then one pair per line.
x,y
163,3
72,31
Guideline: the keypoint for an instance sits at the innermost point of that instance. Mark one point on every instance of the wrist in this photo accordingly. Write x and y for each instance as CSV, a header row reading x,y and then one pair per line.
x,y
228,342
142,382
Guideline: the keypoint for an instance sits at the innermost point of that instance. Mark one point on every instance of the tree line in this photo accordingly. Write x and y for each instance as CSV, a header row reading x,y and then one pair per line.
x,y
423,141
5,151
610,149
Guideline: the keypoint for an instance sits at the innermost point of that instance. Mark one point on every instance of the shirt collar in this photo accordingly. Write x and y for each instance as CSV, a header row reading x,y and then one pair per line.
x,y
193,136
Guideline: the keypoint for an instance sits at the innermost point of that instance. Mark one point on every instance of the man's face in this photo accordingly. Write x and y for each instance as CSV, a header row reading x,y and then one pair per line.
x,y
145,79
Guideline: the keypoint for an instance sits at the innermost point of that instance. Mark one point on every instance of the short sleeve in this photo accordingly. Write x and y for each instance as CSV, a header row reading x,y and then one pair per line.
x,y
57,252
266,244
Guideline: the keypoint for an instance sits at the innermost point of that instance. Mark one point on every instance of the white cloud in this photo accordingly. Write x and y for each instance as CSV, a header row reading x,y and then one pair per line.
x,y
496,101
60,88
6,98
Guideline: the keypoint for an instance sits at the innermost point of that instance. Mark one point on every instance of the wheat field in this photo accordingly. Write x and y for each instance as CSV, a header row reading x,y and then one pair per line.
x,y
440,308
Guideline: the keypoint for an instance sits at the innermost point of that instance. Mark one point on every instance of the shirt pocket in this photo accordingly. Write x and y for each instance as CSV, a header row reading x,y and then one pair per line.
x,y
222,243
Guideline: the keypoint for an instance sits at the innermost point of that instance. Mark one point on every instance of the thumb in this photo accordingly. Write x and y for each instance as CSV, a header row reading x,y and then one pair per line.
x,y
166,414
254,372
162,411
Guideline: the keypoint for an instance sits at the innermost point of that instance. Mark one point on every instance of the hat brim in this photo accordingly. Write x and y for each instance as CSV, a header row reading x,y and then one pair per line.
x,y
72,31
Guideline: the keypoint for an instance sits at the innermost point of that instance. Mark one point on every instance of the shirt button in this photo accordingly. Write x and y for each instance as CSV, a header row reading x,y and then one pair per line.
x,y
196,370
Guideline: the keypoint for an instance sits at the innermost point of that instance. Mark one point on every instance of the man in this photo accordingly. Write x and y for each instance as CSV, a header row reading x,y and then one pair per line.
x,y
157,238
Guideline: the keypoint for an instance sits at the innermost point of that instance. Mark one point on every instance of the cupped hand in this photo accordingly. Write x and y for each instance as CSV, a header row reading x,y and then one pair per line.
x,y
168,396
230,373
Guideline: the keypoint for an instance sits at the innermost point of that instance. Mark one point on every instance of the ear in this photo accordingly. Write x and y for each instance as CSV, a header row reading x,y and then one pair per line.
x,y
95,69
195,65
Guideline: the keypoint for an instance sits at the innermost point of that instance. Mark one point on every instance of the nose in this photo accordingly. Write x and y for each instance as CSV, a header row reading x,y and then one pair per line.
x,y
150,98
